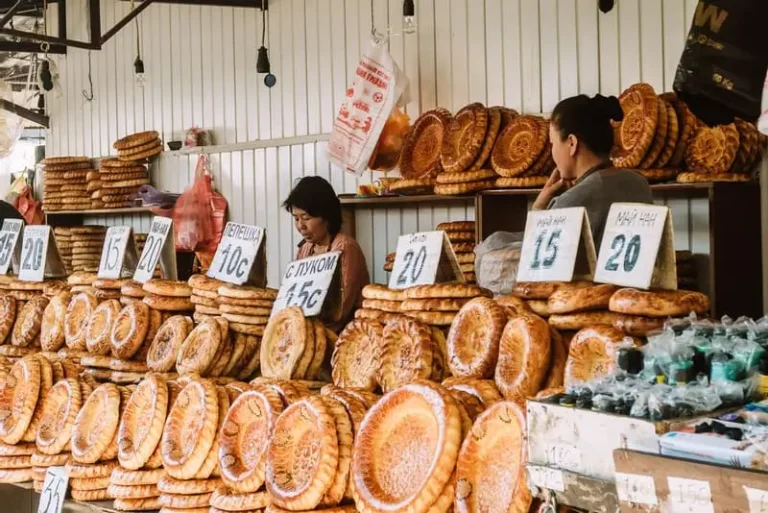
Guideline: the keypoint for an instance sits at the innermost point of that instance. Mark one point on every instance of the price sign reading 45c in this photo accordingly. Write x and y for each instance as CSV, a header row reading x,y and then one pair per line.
x,y
54,490
306,283
419,258
159,244
9,237
638,247
237,253
557,245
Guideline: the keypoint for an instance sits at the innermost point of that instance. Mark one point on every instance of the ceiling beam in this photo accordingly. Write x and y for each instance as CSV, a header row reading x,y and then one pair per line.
x,y
40,119
29,47
11,12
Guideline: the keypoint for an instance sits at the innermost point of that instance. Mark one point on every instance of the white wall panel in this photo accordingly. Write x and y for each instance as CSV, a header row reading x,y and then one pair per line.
x,y
200,62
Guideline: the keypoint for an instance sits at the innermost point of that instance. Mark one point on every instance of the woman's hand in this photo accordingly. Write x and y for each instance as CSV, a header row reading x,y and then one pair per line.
x,y
555,185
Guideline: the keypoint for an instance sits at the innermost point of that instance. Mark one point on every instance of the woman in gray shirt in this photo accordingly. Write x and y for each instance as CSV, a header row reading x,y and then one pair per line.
x,y
582,138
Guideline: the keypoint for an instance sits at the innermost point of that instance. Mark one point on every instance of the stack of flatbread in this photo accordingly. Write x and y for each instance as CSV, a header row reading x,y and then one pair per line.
x,y
380,303
118,182
437,305
87,242
205,296
246,308
461,234
522,155
138,147
63,236
65,183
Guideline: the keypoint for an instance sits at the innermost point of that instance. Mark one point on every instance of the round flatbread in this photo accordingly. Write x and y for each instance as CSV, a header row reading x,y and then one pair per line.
x,y
571,300
131,141
406,353
355,359
457,189
164,349
519,145
526,182
28,322
660,303
18,399
197,353
593,354
129,330
60,408
473,340
99,327
284,343
420,157
673,136
490,470
494,126
524,353
246,292
96,424
422,425
413,186
79,310
659,138
444,291
635,134
141,424
376,291
713,150
464,137
170,288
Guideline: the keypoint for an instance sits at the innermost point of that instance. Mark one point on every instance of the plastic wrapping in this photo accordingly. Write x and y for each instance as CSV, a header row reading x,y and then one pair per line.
x,y
151,197
496,261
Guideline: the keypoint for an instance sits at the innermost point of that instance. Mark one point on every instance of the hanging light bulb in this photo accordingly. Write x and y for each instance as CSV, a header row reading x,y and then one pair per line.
x,y
262,59
138,72
409,17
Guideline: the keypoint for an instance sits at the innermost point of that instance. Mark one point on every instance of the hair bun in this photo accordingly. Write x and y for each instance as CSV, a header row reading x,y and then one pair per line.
x,y
608,107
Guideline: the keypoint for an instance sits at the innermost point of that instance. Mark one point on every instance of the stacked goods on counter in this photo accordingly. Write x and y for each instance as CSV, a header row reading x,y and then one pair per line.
x,y
63,237
246,308
205,296
686,271
168,296
65,183
138,147
380,303
119,181
522,155
87,242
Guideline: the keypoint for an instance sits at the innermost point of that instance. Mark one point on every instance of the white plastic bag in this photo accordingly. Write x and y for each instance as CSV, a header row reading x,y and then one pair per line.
x,y
378,87
496,261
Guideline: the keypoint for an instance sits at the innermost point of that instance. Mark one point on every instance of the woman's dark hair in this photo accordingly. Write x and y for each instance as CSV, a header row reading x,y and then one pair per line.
x,y
315,195
589,119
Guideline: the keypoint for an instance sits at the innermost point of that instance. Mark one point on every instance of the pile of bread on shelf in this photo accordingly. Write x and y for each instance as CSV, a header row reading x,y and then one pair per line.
x,y
482,148
70,183
665,141
80,246
461,235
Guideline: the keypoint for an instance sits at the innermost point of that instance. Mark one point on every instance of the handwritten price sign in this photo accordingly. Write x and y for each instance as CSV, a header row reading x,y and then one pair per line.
x,y
306,283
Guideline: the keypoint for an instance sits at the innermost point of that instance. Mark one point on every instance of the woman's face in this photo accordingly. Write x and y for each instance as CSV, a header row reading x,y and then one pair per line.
x,y
563,152
313,229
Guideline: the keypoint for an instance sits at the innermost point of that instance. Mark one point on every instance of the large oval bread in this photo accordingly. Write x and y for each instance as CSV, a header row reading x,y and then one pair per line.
x,y
8,316
558,359
19,398
633,325
659,303
570,300
464,136
96,424
142,421
406,353
636,132
60,408
284,343
490,470
422,426
473,340
455,290
593,354
524,353
198,351
713,150
356,356
79,310
420,157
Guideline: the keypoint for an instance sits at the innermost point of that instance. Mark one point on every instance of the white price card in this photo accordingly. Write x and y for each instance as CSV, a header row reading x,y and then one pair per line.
x,y
636,489
306,283
54,490
118,255
557,246
9,247
159,248
39,255
689,495
564,456
424,258
240,255
547,478
758,499
638,247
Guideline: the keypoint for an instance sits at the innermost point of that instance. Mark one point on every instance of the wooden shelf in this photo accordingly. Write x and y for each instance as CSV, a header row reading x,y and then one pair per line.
x,y
352,200
101,211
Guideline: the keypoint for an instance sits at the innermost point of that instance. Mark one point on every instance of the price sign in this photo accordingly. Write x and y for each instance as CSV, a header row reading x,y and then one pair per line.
x,y
9,237
564,456
39,255
54,490
159,247
638,247
240,257
636,489
547,478
424,258
557,246
758,499
118,256
307,282
689,495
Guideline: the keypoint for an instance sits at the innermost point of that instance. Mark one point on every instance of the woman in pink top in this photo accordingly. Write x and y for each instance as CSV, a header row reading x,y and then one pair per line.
x,y
316,212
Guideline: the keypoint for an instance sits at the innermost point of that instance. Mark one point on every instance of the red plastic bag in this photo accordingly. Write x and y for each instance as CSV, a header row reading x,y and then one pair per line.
x,y
198,216
28,207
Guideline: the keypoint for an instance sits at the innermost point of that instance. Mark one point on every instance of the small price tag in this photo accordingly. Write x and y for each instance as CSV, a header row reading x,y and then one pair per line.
x,y
547,478
636,489
638,247
9,247
54,490
424,258
557,246
39,255
307,282
159,247
240,257
118,256
758,500
689,495
564,456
